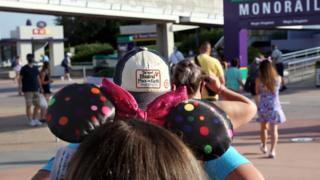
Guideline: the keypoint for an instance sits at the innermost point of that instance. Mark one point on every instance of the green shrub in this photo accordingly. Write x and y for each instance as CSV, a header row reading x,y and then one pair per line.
x,y
106,72
252,53
212,35
152,47
84,52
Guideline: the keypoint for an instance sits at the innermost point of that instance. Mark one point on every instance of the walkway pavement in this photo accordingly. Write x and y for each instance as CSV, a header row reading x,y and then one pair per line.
x,y
24,149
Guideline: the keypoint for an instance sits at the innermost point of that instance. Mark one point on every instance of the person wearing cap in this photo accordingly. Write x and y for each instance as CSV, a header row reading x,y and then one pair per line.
x,y
143,73
45,58
29,86
176,56
66,64
142,59
210,66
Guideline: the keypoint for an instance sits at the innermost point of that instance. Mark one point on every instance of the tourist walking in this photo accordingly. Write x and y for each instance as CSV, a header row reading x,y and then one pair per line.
x,y
209,66
278,63
46,80
16,67
233,76
29,86
270,112
46,86
253,72
66,64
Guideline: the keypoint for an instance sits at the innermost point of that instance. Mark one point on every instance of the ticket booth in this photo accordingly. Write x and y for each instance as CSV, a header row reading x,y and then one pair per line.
x,y
34,39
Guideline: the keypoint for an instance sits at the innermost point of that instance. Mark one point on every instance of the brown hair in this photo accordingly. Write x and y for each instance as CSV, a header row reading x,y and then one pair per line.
x,y
205,46
45,66
133,150
235,62
187,73
268,75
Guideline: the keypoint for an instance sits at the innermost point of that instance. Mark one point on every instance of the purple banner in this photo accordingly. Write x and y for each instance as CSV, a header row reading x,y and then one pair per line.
x,y
256,13
263,14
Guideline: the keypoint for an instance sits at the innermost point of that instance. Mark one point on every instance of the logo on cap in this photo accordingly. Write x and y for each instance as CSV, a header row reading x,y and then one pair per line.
x,y
150,78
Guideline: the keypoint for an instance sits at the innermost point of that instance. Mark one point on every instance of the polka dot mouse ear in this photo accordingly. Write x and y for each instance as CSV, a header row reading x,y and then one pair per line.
x,y
76,110
204,127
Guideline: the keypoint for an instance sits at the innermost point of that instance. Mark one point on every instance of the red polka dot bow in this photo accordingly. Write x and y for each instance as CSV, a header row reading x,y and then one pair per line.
x,y
127,107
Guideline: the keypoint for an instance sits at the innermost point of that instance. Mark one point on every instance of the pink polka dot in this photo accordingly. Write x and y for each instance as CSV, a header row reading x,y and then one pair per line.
x,y
204,131
94,108
105,110
230,133
201,118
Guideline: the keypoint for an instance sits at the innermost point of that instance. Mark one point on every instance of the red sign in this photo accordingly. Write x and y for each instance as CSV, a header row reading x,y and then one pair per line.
x,y
39,31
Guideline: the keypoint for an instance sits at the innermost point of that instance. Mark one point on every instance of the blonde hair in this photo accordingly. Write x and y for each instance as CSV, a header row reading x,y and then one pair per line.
x,y
268,75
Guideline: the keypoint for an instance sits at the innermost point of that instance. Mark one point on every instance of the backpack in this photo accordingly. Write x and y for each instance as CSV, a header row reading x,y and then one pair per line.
x,y
13,64
64,62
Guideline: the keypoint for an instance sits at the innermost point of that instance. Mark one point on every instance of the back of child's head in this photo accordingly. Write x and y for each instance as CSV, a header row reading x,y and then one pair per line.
x,y
133,150
187,73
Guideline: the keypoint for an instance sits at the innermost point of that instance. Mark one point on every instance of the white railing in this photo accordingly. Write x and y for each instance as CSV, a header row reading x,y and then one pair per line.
x,y
301,54
301,64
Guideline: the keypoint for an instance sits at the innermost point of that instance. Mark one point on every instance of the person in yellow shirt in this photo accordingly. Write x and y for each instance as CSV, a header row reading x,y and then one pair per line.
x,y
211,66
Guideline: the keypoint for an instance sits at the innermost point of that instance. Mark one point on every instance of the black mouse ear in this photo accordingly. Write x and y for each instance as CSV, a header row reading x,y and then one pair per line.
x,y
203,126
76,110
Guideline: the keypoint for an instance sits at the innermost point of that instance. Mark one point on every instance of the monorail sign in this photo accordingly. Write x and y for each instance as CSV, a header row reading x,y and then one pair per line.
x,y
240,15
278,7
277,13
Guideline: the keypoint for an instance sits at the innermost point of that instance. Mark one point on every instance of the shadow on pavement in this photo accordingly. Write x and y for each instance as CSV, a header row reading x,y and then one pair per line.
x,y
15,89
15,123
294,131
286,134
304,85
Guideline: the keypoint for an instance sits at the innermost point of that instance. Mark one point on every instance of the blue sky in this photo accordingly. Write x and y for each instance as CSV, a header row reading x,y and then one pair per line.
x,y
10,20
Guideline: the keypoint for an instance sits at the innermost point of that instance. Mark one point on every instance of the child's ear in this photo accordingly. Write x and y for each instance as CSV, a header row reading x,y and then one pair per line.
x,y
173,87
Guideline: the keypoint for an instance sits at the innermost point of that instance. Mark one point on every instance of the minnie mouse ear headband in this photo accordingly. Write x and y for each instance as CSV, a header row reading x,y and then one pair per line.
x,y
78,109
203,126
259,60
128,108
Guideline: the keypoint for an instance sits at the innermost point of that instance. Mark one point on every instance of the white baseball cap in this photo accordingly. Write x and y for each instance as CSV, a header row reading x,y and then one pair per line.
x,y
144,73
